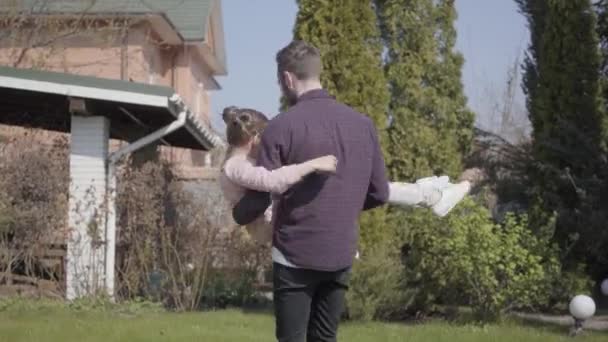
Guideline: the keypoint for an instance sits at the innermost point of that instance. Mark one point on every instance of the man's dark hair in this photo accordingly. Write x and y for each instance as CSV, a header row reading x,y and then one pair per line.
x,y
301,59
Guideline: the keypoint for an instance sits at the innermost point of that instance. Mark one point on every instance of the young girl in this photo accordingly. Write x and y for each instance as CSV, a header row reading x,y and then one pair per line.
x,y
239,173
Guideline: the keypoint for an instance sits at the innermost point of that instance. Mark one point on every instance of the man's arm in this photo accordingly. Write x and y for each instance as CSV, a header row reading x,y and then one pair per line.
x,y
251,206
378,191
254,203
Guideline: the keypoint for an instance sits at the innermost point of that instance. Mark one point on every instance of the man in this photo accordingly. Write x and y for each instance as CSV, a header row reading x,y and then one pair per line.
x,y
315,233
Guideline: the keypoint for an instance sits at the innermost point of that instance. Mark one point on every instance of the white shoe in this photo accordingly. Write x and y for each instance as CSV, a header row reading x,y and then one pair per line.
x,y
432,188
439,183
450,196
424,193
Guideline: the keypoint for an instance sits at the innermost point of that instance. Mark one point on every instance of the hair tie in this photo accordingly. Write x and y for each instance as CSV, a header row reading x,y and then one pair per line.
x,y
230,113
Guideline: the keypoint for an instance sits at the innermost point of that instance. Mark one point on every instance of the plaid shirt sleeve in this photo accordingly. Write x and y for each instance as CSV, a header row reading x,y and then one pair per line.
x,y
378,192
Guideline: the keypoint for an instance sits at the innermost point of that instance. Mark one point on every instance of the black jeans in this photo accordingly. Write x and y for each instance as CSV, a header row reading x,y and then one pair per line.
x,y
308,304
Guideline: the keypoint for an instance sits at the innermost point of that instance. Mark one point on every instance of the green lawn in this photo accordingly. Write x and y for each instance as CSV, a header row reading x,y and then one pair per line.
x,y
52,324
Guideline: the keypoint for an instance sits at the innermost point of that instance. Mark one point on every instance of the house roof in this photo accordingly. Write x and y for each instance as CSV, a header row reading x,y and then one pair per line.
x,y
41,99
188,17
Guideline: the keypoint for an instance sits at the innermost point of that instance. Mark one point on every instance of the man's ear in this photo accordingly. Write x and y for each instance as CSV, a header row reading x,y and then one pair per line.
x,y
288,78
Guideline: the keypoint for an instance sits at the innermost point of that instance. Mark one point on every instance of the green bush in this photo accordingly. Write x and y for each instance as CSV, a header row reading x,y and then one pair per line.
x,y
33,207
376,289
375,230
467,259
563,284
228,289
564,279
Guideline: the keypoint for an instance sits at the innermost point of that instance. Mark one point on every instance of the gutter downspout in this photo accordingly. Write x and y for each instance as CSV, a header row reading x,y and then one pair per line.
x,y
110,252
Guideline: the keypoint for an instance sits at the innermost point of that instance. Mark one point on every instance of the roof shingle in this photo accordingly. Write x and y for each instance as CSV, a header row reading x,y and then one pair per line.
x,y
189,17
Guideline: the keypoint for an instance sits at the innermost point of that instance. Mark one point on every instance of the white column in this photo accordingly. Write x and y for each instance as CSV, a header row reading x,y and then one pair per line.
x,y
110,231
86,216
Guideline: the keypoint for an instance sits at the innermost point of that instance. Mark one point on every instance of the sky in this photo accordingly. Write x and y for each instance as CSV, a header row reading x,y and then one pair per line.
x,y
491,36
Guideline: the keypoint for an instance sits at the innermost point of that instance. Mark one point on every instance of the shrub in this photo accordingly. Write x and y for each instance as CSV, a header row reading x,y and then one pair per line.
x,y
168,240
377,289
174,247
33,206
564,279
467,259
229,289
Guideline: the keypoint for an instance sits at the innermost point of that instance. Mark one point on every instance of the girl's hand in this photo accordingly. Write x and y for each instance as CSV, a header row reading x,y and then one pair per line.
x,y
325,164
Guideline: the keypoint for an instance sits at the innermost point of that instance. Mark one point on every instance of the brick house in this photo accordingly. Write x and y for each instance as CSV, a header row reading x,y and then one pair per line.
x,y
176,43
137,71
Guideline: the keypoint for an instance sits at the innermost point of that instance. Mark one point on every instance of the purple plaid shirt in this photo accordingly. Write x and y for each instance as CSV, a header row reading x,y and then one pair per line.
x,y
316,223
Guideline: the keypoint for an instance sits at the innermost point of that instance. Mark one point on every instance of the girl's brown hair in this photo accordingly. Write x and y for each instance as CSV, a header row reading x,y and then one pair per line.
x,y
242,124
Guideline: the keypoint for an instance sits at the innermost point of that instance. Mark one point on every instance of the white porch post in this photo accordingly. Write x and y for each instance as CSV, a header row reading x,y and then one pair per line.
x,y
110,231
86,216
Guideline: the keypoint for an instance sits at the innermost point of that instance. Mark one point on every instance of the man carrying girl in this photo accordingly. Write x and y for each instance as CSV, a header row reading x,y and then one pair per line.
x,y
322,162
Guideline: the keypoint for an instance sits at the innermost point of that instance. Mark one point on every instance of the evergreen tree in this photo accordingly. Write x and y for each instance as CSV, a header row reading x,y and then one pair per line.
x,y
347,35
563,87
431,127
602,29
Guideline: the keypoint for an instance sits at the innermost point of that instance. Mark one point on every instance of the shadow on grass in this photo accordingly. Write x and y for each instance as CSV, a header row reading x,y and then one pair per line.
x,y
559,328
258,310
259,306
544,326
463,317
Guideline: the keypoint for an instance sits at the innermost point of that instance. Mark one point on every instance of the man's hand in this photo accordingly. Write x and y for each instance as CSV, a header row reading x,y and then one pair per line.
x,y
327,164
251,206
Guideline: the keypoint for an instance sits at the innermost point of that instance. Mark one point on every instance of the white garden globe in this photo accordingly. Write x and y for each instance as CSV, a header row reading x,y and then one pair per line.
x,y
582,307
605,287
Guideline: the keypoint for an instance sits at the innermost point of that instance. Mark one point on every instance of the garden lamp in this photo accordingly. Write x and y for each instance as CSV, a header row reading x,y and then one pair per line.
x,y
605,287
581,308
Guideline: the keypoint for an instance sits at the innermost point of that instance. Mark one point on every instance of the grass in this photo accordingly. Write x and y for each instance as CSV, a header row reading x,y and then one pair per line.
x,y
52,323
